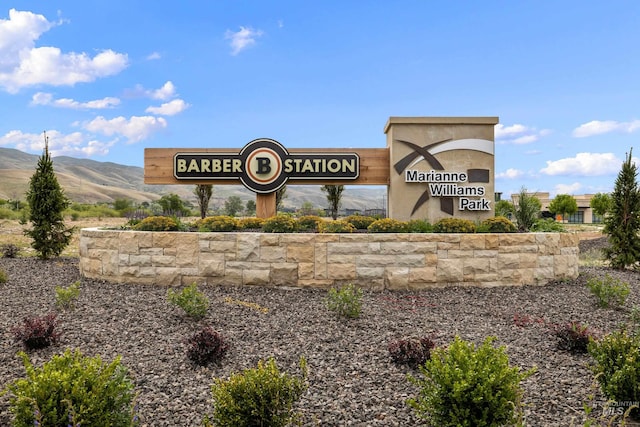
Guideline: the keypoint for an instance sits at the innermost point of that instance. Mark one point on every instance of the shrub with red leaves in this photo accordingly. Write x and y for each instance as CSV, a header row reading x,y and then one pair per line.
x,y
37,332
206,346
574,337
411,351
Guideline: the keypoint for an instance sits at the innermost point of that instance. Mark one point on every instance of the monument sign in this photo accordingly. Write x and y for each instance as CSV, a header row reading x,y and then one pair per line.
x,y
432,167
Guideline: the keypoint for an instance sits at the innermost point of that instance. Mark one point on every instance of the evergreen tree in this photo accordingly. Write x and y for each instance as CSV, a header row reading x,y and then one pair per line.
x,y
622,223
47,203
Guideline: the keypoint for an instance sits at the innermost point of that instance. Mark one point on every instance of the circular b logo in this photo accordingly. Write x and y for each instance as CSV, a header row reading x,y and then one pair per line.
x,y
263,165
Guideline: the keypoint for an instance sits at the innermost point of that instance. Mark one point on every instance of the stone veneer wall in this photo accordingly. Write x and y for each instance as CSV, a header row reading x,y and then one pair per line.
x,y
374,261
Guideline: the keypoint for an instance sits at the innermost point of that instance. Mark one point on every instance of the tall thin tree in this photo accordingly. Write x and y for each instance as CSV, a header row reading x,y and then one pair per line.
x,y
622,223
203,193
334,198
47,203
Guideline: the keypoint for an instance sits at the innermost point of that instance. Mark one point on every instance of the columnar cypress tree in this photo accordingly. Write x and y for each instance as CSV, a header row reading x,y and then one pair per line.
x,y
622,224
47,203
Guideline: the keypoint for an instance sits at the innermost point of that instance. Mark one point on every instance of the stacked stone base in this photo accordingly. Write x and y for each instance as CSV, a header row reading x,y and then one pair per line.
x,y
373,261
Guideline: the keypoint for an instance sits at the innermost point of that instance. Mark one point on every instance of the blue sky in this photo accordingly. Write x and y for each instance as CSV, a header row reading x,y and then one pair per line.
x,y
108,78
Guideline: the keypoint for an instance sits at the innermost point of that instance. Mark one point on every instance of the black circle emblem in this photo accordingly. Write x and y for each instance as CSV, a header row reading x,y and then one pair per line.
x,y
263,161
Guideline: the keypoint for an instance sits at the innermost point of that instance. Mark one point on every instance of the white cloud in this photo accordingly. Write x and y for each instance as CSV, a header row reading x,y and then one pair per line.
x,y
153,56
518,134
22,64
135,129
242,39
598,127
42,98
167,91
170,108
74,144
584,164
510,174
574,188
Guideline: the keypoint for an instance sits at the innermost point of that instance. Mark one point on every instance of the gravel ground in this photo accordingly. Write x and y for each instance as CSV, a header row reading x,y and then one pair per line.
x,y
352,380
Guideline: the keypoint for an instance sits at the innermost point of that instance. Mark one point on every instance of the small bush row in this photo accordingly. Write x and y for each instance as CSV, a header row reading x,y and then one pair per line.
x,y
461,384
310,223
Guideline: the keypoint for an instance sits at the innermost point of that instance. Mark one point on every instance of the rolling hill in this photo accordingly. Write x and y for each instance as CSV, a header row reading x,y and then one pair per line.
x,y
90,181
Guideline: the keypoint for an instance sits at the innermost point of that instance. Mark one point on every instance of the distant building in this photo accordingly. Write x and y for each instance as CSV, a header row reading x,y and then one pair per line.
x,y
584,215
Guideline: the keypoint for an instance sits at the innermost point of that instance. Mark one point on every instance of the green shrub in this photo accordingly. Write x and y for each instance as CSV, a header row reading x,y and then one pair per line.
x,y
346,301
72,389
387,225
194,303
617,366
547,225
3,276
454,225
66,297
497,224
309,222
6,213
337,226
634,319
9,250
467,386
157,223
419,226
218,223
280,224
261,396
360,222
608,290
250,223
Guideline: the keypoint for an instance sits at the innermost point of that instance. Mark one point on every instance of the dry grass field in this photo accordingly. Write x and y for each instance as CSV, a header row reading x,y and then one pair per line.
x,y
11,231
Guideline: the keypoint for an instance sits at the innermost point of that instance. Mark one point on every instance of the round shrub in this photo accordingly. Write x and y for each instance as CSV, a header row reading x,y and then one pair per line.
x,y
9,250
454,225
206,346
280,224
360,222
218,223
337,226
72,389
309,222
157,223
411,351
194,303
468,386
387,225
250,223
497,224
547,225
261,396
37,332
419,226
617,366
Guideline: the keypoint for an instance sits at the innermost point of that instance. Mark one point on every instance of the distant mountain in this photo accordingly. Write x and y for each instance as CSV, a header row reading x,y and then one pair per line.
x,y
90,181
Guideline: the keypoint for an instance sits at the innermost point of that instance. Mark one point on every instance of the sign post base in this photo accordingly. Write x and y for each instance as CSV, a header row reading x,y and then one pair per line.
x,y
265,205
